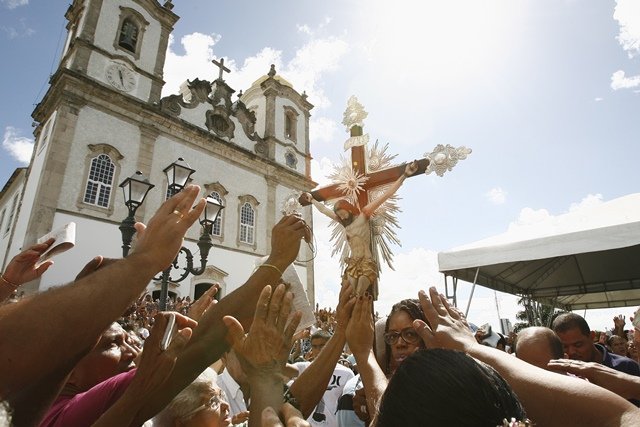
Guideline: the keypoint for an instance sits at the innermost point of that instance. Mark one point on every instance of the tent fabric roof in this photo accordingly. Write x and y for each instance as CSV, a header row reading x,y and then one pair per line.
x,y
587,258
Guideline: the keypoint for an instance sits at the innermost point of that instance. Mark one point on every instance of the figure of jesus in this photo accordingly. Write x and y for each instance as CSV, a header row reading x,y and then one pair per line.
x,y
361,269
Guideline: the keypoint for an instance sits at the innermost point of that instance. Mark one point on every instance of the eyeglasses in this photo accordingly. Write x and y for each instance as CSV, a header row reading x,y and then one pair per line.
x,y
409,335
213,404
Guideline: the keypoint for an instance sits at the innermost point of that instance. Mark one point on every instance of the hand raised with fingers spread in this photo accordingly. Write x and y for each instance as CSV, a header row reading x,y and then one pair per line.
x,y
22,268
266,347
160,240
447,327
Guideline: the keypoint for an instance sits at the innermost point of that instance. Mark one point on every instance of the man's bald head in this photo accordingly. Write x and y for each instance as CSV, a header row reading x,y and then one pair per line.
x,y
537,345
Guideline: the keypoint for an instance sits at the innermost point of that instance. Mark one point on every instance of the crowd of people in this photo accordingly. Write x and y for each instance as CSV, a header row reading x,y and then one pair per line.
x,y
98,352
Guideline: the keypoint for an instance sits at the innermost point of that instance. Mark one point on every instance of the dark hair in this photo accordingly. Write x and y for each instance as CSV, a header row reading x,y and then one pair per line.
x,y
567,321
447,388
410,306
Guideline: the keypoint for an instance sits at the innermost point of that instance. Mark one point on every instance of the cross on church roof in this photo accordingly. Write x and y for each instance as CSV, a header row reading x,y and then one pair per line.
x,y
221,66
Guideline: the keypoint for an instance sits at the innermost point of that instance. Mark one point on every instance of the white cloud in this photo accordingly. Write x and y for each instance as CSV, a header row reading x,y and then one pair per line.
x,y
627,13
496,195
598,99
19,147
587,202
304,29
620,81
21,30
12,4
322,130
529,216
304,71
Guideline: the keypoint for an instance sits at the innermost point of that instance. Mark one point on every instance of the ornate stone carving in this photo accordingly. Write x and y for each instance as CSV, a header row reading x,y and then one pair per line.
x,y
355,114
444,158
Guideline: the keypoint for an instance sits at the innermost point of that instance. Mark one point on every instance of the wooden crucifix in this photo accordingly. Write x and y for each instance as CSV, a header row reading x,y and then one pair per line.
x,y
221,67
361,266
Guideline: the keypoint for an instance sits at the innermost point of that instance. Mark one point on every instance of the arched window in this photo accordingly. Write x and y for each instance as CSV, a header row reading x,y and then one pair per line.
x,y
216,230
128,38
130,32
247,223
99,182
290,123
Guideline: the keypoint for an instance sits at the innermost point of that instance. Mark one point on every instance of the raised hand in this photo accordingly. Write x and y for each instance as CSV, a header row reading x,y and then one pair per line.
x,y
344,310
160,240
360,330
94,265
23,267
285,240
447,326
265,349
203,303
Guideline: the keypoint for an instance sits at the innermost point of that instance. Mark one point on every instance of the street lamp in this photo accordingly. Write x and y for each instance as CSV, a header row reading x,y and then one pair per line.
x,y
178,174
205,243
134,189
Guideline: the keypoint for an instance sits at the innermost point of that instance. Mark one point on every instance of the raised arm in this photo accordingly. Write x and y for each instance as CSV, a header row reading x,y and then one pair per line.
x,y
371,208
208,341
360,338
549,399
24,268
310,386
320,206
45,335
264,350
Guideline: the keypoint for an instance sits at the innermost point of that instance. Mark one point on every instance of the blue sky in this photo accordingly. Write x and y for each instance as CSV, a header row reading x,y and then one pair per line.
x,y
545,92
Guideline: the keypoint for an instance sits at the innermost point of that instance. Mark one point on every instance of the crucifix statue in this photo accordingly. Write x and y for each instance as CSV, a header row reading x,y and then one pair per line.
x,y
365,211
221,67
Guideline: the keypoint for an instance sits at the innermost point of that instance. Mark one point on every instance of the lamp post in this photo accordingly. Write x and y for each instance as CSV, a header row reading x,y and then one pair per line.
x,y
205,243
135,189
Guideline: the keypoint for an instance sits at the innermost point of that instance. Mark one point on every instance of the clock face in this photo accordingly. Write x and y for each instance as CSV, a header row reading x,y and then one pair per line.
x,y
121,77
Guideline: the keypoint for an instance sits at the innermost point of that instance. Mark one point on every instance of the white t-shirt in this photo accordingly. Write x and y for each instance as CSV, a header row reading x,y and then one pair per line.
x,y
232,391
325,413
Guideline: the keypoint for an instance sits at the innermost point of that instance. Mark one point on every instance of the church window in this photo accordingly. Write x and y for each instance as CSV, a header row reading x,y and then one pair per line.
x,y
12,212
128,35
290,123
216,229
290,159
247,223
130,31
99,182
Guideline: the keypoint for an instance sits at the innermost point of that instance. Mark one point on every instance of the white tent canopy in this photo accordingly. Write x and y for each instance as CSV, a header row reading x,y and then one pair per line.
x,y
587,258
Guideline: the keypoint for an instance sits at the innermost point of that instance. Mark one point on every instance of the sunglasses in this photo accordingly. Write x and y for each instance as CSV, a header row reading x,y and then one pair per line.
x,y
409,335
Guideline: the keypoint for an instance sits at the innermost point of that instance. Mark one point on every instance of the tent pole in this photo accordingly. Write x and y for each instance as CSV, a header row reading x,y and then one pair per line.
x,y
473,288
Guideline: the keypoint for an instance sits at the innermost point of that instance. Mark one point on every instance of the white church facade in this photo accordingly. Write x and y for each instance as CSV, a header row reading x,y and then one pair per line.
x,y
103,118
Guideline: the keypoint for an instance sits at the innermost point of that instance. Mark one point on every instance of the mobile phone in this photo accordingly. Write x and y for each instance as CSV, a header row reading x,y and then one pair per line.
x,y
636,319
169,331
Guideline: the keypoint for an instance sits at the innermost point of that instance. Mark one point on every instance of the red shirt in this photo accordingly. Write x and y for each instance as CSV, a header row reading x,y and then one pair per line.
x,y
85,408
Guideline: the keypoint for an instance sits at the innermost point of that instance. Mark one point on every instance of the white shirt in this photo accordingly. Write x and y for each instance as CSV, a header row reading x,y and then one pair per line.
x,y
325,413
234,395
